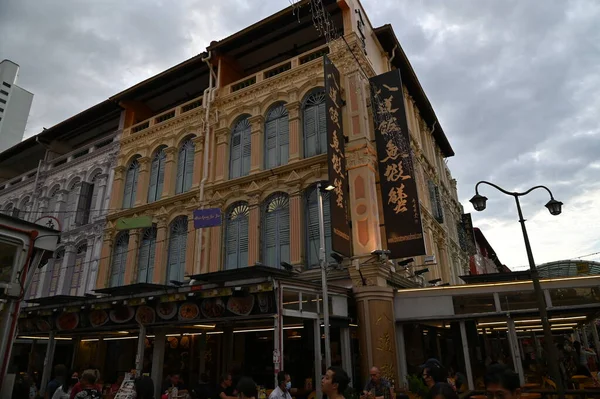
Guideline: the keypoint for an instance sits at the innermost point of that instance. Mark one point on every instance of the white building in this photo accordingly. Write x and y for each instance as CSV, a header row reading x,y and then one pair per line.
x,y
65,172
15,103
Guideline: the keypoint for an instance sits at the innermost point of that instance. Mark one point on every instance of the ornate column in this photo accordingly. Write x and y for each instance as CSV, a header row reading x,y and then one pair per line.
x,y
214,262
66,271
257,139
190,248
160,253
377,332
296,236
101,181
170,179
198,160
59,211
116,198
295,130
132,255
254,229
221,158
86,270
141,193
102,279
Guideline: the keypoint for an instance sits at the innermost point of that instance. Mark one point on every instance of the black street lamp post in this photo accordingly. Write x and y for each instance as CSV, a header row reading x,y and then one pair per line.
x,y
555,208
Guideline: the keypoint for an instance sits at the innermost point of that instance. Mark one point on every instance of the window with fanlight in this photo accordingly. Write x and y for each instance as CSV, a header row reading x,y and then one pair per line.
x,y
178,232
185,167
131,181
313,123
240,149
146,255
277,137
276,230
236,236
157,175
119,260
313,238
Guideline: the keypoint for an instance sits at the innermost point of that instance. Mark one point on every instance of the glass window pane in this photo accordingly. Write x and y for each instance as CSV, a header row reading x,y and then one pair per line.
x,y
291,300
574,296
309,302
518,300
481,303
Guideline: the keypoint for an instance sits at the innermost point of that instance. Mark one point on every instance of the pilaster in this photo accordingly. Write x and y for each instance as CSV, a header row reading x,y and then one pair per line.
x,y
170,178
105,258
190,245
132,255
160,253
221,159
377,332
295,130
254,229
116,198
257,138
141,194
296,230
198,160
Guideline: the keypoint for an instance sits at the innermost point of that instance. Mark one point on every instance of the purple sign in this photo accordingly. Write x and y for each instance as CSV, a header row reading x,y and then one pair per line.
x,y
209,217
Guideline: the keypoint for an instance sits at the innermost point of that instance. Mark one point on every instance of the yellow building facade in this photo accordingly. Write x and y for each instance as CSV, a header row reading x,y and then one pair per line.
x,y
252,145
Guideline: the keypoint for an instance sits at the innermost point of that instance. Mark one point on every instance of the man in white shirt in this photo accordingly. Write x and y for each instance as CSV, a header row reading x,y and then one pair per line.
x,y
282,391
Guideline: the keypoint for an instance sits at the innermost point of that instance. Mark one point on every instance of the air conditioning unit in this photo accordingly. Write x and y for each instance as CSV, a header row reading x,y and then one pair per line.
x,y
429,259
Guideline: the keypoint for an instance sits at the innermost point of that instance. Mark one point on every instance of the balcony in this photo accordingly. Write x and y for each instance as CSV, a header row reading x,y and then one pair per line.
x,y
160,119
274,70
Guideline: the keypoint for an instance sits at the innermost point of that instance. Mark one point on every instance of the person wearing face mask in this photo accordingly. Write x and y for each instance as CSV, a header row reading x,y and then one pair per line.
x,y
282,391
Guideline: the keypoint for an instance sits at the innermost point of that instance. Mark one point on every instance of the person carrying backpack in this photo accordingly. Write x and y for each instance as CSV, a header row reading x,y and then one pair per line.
x,y
88,387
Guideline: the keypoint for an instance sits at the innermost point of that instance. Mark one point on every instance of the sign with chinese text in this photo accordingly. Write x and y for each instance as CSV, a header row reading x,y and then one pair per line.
x,y
401,210
336,158
209,217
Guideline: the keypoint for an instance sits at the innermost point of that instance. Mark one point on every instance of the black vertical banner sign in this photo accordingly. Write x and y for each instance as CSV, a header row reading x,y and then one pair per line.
x,y
401,210
336,158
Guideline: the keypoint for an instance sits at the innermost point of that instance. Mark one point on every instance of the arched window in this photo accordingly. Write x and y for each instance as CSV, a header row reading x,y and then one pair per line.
x,y
239,158
277,137
35,282
24,208
131,180
71,205
59,257
10,210
236,236
314,128
185,167
146,255
78,268
119,260
313,239
95,207
157,175
276,230
177,246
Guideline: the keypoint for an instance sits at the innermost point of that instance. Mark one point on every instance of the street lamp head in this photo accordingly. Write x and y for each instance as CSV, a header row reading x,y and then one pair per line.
x,y
479,202
554,206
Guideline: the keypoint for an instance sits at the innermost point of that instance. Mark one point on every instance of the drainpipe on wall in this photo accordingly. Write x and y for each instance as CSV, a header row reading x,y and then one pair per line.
x,y
208,98
392,57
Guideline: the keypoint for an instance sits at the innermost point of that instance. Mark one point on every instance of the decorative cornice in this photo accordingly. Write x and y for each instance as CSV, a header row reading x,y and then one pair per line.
x,y
151,208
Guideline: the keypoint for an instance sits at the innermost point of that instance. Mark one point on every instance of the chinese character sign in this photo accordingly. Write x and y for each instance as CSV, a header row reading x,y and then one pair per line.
x,y
209,217
404,232
336,157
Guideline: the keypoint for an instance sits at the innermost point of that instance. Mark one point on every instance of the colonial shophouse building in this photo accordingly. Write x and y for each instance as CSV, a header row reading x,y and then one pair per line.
x,y
241,128
65,172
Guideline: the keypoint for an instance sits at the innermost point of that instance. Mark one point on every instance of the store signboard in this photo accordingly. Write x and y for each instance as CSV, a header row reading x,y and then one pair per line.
x,y
209,217
400,200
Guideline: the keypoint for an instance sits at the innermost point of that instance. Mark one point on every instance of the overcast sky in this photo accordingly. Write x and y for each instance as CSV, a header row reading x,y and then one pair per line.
x,y
515,84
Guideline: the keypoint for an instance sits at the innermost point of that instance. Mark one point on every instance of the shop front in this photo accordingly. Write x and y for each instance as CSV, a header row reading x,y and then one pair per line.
x,y
253,322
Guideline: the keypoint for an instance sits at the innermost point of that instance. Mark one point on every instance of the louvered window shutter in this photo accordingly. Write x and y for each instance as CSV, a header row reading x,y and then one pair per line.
x,y
284,235
243,240
246,150
232,244
322,129
131,181
236,237
310,131
431,187
94,206
146,256
15,212
270,240
177,249
180,170
283,129
160,179
152,187
188,175
119,260
271,144
236,156
440,208
84,204
56,273
327,223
